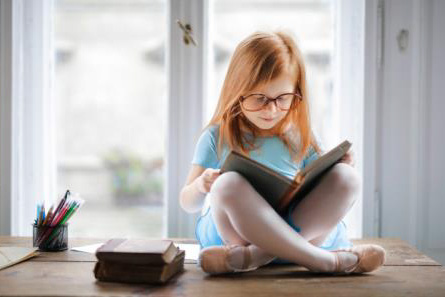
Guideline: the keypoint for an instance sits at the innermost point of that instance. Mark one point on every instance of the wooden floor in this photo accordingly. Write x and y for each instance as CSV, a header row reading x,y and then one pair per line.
x,y
407,272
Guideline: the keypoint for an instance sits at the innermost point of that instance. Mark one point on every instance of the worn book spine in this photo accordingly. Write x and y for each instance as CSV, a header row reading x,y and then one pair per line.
x,y
288,196
137,251
131,258
128,273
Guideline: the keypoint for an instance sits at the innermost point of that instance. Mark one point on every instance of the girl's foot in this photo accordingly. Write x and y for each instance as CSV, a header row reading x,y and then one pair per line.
x,y
227,259
370,257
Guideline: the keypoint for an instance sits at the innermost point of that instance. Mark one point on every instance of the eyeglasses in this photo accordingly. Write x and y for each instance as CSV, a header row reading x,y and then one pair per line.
x,y
255,102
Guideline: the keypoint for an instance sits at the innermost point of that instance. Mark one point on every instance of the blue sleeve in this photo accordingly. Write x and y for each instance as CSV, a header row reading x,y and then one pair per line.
x,y
206,150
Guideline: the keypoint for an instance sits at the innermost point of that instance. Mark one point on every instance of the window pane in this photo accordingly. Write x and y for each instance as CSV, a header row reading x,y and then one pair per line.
x,y
310,21
111,93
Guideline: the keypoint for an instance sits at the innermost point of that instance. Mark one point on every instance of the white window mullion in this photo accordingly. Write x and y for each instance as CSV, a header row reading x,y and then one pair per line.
x,y
348,90
187,78
27,154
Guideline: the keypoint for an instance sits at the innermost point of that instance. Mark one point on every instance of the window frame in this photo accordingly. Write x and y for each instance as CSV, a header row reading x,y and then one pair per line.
x,y
27,139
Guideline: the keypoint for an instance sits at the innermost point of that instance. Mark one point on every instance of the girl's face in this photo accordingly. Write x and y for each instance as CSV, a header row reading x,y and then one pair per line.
x,y
270,115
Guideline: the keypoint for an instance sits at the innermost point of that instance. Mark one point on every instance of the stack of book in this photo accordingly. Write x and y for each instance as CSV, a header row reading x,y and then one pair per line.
x,y
147,261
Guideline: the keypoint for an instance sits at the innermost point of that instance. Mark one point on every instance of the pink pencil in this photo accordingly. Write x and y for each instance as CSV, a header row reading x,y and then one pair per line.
x,y
60,215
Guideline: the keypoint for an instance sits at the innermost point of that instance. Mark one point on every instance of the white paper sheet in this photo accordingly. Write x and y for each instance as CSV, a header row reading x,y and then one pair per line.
x,y
191,250
87,248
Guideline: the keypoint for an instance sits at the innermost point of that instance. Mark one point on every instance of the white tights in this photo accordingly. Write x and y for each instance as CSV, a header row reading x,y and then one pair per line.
x,y
242,216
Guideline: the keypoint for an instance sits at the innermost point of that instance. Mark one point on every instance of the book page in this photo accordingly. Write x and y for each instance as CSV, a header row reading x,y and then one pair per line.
x,y
10,255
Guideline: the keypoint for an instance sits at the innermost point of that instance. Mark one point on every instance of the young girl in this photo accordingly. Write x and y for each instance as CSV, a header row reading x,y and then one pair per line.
x,y
263,113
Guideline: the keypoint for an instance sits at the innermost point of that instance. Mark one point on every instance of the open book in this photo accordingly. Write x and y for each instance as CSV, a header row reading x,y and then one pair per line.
x,y
10,255
277,189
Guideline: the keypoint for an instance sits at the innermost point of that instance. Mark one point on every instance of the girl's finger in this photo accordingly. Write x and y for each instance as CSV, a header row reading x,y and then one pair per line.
x,y
210,173
208,186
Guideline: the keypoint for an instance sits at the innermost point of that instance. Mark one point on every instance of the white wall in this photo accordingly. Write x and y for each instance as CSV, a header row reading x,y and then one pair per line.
x,y
432,200
410,125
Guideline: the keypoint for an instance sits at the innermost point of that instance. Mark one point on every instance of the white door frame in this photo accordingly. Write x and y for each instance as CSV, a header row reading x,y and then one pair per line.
x,y
373,63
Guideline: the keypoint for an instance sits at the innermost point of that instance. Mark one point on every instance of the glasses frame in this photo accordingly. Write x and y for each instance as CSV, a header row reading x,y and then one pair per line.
x,y
269,99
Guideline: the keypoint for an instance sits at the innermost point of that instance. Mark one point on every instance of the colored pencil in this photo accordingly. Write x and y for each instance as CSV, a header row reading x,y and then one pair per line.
x,y
55,219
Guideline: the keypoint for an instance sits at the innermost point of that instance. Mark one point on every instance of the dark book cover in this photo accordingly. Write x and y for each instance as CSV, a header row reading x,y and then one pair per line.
x,y
137,251
142,274
279,190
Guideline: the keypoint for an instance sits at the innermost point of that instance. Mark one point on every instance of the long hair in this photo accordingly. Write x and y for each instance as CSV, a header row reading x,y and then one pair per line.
x,y
257,60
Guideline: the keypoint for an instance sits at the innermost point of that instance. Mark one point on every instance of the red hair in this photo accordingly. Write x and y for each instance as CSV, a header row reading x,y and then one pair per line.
x,y
257,60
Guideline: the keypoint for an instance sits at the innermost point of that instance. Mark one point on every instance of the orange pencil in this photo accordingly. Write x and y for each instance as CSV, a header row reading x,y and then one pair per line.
x,y
48,216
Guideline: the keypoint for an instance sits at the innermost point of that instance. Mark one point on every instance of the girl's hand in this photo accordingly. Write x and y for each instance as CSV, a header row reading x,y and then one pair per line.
x,y
348,158
206,179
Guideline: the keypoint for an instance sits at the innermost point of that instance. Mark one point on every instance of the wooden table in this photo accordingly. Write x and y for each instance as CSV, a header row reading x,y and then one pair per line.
x,y
407,272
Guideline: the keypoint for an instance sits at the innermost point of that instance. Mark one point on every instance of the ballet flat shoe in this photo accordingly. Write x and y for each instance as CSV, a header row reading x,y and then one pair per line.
x,y
370,257
215,259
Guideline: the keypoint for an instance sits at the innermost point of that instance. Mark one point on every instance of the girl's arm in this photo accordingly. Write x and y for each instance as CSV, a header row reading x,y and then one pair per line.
x,y
198,184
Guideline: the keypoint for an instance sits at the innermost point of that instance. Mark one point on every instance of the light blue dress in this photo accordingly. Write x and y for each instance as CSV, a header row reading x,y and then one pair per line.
x,y
273,153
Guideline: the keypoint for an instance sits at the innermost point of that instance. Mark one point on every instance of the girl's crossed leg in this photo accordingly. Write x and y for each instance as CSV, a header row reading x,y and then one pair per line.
x,y
243,217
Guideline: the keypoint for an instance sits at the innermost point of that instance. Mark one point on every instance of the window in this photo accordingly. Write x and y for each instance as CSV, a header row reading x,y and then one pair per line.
x,y
116,101
110,93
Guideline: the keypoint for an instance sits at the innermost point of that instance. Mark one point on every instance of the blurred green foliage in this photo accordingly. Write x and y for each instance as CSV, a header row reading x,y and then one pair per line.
x,y
131,175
